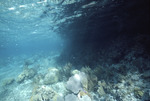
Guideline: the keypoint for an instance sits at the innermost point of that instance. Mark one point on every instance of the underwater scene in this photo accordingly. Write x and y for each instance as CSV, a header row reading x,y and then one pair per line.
x,y
74,50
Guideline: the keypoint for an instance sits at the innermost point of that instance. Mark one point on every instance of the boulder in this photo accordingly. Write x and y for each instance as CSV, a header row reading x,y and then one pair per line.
x,y
52,76
27,73
44,93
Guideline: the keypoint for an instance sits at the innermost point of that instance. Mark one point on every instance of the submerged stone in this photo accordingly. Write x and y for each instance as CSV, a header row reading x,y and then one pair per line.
x,y
21,78
52,76
44,93
8,81
60,88
38,79
28,73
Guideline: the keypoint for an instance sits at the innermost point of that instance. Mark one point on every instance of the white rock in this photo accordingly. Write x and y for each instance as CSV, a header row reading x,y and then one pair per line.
x,y
71,97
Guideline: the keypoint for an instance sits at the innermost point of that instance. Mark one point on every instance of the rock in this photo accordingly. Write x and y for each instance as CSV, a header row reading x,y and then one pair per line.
x,y
60,88
71,97
27,73
30,73
21,78
8,81
52,76
38,79
43,93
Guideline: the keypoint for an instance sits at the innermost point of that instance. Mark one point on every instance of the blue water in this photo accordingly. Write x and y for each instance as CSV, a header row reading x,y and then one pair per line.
x,y
23,31
105,42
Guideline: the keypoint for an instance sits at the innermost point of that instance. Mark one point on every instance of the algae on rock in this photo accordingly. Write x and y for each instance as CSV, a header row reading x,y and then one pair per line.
x,y
27,73
43,93
53,76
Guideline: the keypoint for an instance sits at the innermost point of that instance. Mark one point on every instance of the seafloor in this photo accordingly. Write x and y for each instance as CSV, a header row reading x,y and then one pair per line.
x,y
116,77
